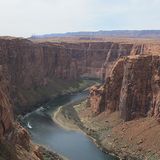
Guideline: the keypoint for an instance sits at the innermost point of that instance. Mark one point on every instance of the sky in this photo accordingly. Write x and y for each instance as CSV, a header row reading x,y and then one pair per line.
x,y
24,18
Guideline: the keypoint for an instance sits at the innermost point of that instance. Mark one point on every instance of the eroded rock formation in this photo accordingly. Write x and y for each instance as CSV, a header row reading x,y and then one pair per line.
x,y
132,88
33,69
6,114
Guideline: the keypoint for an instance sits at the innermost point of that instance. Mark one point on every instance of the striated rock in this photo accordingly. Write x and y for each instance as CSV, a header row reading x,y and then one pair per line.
x,y
107,97
20,136
97,99
155,86
33,69
132,88
136,93
117,51
113,86
14,140
6,115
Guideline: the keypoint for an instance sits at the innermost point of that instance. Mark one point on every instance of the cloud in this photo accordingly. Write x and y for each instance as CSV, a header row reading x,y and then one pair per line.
x,y
23,18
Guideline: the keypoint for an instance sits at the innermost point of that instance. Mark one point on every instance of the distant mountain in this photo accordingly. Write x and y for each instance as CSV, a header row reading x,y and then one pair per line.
x,y
113,33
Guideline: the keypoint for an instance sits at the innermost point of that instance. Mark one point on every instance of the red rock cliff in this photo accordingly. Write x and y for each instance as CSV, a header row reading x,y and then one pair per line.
x,y
33,69
132,88
6,115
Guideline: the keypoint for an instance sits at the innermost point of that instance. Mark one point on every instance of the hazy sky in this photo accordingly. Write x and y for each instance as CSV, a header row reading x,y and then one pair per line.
x,y
27,17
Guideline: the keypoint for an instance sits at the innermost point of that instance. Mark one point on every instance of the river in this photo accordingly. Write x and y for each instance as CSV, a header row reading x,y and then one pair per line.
x,y
72,144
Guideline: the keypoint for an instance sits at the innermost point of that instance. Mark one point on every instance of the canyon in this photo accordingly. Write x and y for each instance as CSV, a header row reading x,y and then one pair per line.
x,y
32,73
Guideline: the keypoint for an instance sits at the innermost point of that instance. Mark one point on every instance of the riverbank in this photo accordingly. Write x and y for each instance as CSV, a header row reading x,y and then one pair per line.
x,y
64,121
73,88
67,117
72,144
128,140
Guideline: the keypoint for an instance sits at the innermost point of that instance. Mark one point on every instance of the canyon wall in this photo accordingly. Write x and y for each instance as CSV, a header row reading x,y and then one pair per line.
x,y
36,72
39,72
15,141
132,88
6,114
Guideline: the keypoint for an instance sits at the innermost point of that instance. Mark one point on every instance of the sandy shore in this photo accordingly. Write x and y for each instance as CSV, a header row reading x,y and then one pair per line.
x,y
69,124
109,133
67,118
63,121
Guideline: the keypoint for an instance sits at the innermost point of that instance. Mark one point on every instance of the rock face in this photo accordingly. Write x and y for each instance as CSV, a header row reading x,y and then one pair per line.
x,y
132,88
14,140
6,115
35,70
155,110
97,97
136,93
